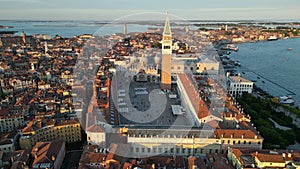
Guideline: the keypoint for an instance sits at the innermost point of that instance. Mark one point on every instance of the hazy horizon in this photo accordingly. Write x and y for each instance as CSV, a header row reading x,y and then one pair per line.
x,y
114,9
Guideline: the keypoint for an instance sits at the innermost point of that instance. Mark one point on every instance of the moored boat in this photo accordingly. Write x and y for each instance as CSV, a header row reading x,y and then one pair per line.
x,y
286,100
272,38
230,47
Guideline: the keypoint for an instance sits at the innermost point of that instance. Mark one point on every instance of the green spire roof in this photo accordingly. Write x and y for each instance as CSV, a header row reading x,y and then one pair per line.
x,y
167,30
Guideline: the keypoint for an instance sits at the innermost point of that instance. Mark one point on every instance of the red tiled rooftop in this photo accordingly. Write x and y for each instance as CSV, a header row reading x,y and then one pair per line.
x,y
275,158
4,112
214,124
238,154
228,133
67,122
95,128
198,104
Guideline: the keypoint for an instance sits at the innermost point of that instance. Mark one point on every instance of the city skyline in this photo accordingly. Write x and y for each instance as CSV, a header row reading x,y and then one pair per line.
x,y
109,10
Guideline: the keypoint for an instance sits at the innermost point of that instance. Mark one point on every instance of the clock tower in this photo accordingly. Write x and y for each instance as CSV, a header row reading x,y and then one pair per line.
x,y
166,62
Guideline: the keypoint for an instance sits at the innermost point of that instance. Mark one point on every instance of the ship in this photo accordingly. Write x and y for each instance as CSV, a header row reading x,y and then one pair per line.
x,y
272,38
230,47
286,100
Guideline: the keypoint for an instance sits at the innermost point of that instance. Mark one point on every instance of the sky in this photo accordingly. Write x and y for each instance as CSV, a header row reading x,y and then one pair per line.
x,y
114,9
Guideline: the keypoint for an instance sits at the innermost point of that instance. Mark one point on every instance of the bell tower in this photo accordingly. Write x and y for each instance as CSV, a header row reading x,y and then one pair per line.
x,y
166,62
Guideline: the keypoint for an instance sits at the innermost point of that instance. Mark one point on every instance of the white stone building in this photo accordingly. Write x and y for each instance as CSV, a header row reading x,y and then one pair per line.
x,y
238,85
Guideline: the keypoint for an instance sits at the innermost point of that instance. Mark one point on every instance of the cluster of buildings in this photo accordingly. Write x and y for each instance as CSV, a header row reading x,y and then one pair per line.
x,y
95,156
241,34
144,100
36,94
216,125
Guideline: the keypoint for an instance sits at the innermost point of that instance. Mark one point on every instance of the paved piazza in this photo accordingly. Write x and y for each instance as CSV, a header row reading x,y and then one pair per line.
x,y
145,104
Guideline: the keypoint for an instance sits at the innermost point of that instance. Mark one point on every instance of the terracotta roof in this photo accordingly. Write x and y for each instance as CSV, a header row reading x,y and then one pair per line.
x,y
230,133
22,159
67,122
96,157
116,152
275,158
198,104
168,161
4,112
95,128
194,161
219,161
127,165
237,153
28,128
46,152
5,141
214,124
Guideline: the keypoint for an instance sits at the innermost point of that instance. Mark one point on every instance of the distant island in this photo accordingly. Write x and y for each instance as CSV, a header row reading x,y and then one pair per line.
x,y
5,27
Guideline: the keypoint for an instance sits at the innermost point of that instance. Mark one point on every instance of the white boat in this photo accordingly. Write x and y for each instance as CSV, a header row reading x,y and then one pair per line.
x,y
272,38
286,100
230,47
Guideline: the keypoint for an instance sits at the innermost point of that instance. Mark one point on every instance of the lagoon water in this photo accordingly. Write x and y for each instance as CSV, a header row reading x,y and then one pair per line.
x,y
274,67
70,28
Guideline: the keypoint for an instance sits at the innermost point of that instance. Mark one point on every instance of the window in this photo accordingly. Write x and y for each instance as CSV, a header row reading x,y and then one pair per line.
x,y
167,47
